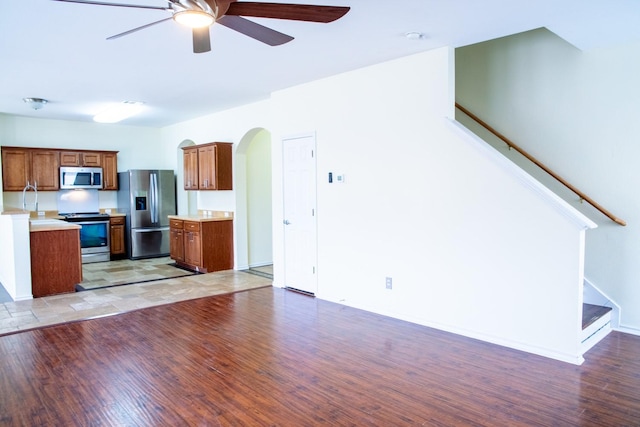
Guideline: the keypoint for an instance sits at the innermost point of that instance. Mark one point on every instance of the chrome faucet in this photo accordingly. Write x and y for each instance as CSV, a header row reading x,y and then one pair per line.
x,y
33,187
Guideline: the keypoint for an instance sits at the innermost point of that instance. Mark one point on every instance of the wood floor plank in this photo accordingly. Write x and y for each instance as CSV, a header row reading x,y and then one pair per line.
x,y
270,357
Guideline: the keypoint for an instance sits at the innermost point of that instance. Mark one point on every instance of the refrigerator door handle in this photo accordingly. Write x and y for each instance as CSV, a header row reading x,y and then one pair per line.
x,y
153,196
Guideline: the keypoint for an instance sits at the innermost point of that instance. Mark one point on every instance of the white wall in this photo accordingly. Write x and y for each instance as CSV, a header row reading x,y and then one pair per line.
x,y
470,248
15,259
578,113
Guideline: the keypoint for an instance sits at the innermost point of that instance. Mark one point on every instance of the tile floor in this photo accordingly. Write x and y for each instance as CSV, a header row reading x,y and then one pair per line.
x,y
125,271
28,314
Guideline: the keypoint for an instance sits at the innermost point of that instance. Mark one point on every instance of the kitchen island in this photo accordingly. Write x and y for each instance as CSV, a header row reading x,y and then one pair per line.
x,y
203,242
56,261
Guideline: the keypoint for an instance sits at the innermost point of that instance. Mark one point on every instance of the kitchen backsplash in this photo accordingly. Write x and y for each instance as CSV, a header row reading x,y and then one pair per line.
x,y
48,200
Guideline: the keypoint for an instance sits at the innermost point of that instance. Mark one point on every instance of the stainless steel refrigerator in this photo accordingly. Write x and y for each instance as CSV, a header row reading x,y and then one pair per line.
x,y
147,197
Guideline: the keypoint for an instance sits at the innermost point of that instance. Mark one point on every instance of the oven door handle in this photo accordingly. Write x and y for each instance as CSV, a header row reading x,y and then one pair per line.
x,y
150,230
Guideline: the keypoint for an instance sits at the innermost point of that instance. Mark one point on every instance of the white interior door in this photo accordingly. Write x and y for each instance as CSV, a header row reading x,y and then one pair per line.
x,y
299,222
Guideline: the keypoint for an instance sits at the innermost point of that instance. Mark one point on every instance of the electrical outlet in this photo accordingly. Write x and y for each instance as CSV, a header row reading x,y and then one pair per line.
x,y
389,283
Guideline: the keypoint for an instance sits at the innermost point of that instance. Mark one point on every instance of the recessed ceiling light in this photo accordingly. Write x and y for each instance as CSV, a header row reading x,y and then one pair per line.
x,y
119,112
414,35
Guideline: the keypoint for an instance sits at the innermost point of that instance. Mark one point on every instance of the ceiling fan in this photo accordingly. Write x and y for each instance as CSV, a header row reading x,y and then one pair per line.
x,y
201,14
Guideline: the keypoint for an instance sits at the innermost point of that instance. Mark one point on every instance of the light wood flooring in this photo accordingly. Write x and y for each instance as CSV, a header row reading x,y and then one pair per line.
x,y
270,357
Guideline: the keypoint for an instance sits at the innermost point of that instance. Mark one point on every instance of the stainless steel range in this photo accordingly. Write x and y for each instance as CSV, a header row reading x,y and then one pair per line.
x,y
82,207
95,241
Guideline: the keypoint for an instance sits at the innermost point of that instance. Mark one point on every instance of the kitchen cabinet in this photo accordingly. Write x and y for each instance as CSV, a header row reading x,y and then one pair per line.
x,y
116,234
110,170
56,261
192,244
176,245
190,168
202,245
35,166
42,166
209,166
81,158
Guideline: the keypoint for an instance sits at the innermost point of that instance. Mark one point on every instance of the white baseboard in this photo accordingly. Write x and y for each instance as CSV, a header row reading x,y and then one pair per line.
x,y
260,264
627,330
576,359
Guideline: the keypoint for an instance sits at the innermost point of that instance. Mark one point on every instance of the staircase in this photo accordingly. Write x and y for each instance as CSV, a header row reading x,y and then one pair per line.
x,y
596,324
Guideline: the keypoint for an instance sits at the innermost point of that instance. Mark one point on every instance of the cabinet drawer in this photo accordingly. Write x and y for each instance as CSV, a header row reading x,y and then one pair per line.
x,y
116,220
176,223
191,226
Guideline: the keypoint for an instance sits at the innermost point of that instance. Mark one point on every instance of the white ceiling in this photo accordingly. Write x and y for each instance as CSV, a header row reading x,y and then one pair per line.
x,y
58,51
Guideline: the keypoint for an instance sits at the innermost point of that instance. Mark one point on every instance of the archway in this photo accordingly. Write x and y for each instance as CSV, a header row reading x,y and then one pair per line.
x,y
253,200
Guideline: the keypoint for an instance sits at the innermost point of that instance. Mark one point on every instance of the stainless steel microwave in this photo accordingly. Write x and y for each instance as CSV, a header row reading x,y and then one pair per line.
x,y
74,177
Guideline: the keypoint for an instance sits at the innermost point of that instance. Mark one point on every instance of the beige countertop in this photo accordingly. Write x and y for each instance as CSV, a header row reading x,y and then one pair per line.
x,y
50,224
204,217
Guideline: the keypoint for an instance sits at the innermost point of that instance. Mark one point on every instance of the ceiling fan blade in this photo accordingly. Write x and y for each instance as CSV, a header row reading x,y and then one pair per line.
x,y
138,29
255,31
100,3
201,40
295,12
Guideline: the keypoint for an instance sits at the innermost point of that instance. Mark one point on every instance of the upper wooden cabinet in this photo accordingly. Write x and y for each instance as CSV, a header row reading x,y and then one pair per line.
x,y
190,168
110,170
41,166
22,166
81,158
209,166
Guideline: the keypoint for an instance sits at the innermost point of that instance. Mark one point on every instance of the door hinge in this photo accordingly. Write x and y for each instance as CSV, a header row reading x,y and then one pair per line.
x,y
311,153
314,270
313,212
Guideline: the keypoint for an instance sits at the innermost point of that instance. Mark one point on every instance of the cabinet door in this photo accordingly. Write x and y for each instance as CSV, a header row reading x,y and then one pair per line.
x,y
110,171
91,160
117,240
206,167
176,247
190,168
70,158
16,163
223,166
45,166
192,246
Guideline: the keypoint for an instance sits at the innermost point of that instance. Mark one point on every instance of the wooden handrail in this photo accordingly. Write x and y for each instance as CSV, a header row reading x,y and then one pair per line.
x,y
541,166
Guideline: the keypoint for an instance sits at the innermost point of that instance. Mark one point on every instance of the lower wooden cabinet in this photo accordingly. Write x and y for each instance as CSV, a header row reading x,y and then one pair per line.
x,y
116,230
176,245
56,262
203,246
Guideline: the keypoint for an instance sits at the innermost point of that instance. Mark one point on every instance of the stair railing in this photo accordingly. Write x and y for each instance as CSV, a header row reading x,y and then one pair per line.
x,y
542,166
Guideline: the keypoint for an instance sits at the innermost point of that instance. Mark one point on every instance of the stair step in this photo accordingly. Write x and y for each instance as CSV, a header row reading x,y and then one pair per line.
x,y
591,313
596,324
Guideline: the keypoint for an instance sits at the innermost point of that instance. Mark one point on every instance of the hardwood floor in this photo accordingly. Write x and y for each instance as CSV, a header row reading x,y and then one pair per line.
x,y
269,357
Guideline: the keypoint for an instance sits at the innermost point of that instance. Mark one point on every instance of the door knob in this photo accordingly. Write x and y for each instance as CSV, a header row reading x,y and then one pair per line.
x,y
286,222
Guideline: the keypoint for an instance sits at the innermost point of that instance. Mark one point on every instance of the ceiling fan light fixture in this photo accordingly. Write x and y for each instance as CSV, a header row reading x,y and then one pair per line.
x,y
119,112
194,18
